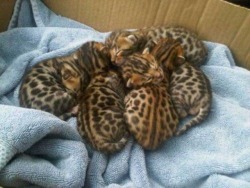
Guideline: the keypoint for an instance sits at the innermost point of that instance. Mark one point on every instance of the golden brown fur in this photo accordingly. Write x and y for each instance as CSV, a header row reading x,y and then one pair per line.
x,y
100,118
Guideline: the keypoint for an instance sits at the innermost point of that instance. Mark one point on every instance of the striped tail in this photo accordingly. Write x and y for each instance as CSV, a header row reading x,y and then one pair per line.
x,y
108,146
195,120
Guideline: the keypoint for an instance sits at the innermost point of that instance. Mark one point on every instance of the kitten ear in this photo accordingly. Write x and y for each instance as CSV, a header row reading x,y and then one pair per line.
x,y
179,60
145,51
131,38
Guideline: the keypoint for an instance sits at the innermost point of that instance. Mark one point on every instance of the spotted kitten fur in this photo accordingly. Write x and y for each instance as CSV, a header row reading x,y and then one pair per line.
x,y
123,42
189,87
54,85
150,115
42,88
169,54
193,48
149,110
139,69
100,118
191,94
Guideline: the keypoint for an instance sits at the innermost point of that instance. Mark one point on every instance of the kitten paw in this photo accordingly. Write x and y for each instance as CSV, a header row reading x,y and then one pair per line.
x,y
75,110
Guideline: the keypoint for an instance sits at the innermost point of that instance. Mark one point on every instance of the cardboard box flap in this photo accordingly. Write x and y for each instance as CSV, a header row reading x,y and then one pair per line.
x,y
213,20
226,23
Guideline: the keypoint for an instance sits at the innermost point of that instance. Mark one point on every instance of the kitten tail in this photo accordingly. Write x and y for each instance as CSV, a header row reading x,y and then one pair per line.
x,y
195,120
111,147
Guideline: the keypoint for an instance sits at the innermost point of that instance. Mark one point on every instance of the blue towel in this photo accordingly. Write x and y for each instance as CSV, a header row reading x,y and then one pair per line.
x,y
38,149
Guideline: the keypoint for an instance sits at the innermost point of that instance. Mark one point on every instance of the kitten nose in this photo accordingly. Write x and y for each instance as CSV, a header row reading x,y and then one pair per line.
x,y
157,75
113,57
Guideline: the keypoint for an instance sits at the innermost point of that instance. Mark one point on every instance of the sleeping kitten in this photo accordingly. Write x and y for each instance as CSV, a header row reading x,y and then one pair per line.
x,y
139,69
100,118
191,94
190,89
54,85
149,110
123,42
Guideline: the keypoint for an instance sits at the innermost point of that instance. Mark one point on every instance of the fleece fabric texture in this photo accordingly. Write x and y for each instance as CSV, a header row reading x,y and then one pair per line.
x,y
38,149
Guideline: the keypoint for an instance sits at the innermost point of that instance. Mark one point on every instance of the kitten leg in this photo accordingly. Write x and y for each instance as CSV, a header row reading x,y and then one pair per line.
x,y
193,111
181,112
75,110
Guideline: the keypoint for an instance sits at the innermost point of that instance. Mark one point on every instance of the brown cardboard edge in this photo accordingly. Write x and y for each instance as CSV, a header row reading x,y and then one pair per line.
x,y
226,23
237,39
6,7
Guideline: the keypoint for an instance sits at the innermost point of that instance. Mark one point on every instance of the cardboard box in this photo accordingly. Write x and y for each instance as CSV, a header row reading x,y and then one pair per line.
x,y
213,20
6,9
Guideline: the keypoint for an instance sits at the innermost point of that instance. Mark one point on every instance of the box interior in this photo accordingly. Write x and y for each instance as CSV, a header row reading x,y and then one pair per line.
x,y
213,20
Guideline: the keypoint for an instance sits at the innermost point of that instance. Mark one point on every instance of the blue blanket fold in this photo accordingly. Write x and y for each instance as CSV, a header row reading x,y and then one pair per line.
x,y
39,149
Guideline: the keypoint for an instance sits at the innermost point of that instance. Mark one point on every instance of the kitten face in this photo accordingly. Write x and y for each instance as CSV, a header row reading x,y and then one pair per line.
x,y
95,57
124,43
70,78
140,69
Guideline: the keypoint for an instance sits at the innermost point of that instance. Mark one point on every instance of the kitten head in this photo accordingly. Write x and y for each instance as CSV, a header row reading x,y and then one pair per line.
x,y
68,71
95,57
76,69
70,74
123,43
140,69
169,53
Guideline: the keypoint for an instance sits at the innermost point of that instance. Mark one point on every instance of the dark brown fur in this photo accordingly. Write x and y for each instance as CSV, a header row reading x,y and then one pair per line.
x,y
150,115
139,69
54,85
123,42
100,118
191,94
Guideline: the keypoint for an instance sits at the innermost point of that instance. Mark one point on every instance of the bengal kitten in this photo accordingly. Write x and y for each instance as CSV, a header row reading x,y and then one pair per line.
x,y
139,69
189,87
54,85
150,115
149,110
100,118
125,42
191,94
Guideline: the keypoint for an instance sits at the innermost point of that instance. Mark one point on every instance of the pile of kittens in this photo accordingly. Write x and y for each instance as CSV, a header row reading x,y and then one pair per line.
x,y
139,83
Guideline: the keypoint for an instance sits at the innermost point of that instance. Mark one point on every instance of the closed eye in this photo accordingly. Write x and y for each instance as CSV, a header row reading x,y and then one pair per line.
x,y
154,66
118,52
148,79
66,76
75,74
